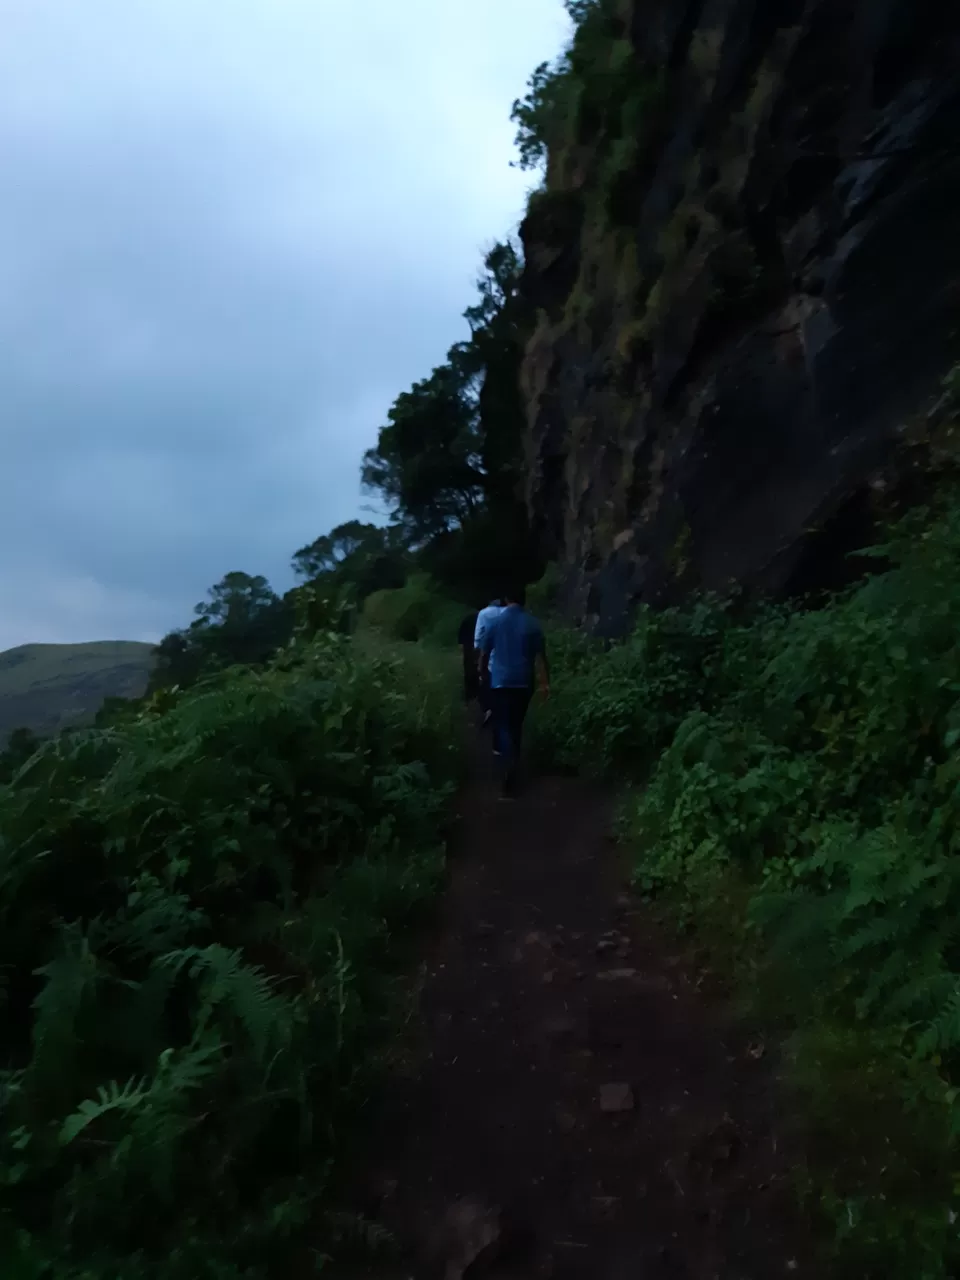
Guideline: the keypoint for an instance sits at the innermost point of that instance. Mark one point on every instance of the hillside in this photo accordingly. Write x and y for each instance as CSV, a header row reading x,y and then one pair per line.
x,y
46,686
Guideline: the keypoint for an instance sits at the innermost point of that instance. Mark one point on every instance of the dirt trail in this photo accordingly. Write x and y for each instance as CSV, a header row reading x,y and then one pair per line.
x,y
600,1117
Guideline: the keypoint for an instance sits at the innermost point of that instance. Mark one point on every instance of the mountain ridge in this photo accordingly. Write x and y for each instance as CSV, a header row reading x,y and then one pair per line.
x,y
47,687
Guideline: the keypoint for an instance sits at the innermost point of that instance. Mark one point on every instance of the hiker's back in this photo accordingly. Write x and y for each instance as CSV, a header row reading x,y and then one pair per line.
x,y
517,640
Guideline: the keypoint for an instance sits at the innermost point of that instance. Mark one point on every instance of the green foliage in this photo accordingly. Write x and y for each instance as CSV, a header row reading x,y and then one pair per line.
x,y
242,621
562,95
596,95
801,772
426,462
618,711
197,916
449,461
21,745
417,611
357,557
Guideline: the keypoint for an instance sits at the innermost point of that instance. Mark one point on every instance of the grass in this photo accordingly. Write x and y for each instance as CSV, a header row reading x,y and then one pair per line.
x,y
46,687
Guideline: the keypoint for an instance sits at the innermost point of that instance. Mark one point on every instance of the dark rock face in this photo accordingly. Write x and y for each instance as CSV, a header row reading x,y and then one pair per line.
x,y
727,360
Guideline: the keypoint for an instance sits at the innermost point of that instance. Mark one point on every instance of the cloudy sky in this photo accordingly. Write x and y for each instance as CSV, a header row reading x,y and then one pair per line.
x,y
231,231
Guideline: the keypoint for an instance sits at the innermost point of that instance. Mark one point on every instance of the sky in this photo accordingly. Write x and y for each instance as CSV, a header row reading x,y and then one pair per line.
x,y
231,232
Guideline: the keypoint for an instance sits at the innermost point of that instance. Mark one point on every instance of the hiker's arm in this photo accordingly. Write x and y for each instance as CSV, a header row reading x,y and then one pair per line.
x,y
485,647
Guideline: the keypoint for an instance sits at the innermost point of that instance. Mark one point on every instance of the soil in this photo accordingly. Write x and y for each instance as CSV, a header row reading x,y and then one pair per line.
x,y
577,1107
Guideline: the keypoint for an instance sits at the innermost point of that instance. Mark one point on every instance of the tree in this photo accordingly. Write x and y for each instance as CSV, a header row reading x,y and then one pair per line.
x,y
353,560
449,462
558,92
331,551
236,600
427,459
241,621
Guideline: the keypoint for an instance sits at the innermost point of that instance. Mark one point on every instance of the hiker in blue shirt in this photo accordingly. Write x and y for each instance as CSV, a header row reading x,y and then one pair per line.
x,y
509,651
485,620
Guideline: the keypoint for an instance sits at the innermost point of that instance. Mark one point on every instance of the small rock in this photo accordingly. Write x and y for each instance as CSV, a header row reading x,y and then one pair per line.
x,y
616,975
623,950
549,975
566,1122
616,1097
485,929
624,901
605,945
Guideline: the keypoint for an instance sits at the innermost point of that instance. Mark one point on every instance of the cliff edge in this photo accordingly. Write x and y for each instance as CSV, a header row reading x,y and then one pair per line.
x,y
745,265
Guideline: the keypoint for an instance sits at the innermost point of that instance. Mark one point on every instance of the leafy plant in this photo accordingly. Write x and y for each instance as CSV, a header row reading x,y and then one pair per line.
x,y
801,767
197,912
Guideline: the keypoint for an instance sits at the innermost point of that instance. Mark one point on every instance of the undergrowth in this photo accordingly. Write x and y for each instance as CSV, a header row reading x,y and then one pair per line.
x,y
799,771
199,910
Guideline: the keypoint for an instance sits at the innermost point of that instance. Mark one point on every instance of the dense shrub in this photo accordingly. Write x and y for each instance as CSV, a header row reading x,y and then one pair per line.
x,y
618,707
802,768
196,916
417,611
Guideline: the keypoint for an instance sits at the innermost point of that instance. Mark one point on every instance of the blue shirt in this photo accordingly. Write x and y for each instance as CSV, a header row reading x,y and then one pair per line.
x,y
485,620
514,642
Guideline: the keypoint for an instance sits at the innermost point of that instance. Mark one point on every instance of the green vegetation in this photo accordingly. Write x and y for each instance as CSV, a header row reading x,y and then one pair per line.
x,y
800,782
202,896
415,611
198,919
596,95
44,687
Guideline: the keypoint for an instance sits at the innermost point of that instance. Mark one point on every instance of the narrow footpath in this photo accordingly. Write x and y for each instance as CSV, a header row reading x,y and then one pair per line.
x,y
576,1108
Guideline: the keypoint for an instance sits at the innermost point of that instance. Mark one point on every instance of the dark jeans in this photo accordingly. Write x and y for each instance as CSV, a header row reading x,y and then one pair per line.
x,y
509,712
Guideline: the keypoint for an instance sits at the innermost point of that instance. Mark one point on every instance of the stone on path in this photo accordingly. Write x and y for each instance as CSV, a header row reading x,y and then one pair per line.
x,y
616,1097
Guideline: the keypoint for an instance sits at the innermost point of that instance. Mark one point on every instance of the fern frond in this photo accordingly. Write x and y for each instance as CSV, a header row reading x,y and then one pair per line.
x,y
113,1098
71,980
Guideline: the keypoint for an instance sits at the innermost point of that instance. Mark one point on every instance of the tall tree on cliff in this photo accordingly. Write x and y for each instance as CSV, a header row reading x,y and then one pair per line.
x,y
449,459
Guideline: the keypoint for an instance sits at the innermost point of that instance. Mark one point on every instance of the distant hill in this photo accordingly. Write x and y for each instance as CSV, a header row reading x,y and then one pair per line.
x,y
45,687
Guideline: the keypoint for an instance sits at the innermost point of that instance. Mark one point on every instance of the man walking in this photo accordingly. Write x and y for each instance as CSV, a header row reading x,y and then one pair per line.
x,y
485,620
509,653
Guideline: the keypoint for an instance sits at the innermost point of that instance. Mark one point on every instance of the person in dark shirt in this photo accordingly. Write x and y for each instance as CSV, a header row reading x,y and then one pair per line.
x,y
510,651
471,673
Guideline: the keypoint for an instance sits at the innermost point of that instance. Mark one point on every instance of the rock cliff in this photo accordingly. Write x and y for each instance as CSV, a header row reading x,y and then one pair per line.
x,y
745,261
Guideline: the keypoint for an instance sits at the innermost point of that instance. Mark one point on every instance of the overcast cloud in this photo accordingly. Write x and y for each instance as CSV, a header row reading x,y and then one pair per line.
x,y
231,231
